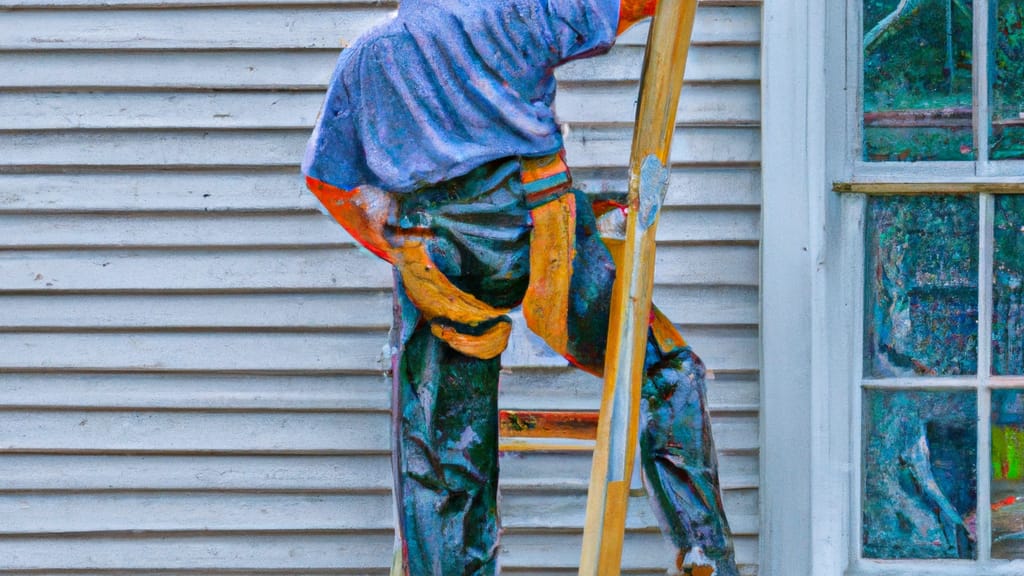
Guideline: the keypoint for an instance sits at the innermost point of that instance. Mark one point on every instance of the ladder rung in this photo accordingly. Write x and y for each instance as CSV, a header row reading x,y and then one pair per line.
x,y
572,424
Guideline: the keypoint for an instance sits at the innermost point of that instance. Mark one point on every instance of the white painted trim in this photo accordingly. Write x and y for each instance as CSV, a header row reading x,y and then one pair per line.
x,y
1011,170
929,382
986,241
795,246
850,369
909,171
937,568
810,349
982,123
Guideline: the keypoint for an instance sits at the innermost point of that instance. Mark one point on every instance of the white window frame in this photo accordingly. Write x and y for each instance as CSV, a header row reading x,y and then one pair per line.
x,y
812,289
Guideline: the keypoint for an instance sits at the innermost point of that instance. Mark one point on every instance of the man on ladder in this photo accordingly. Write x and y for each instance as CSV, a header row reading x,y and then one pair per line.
x,y
438,150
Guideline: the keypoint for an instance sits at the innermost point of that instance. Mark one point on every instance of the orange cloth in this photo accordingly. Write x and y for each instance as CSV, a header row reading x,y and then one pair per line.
x,y
633,11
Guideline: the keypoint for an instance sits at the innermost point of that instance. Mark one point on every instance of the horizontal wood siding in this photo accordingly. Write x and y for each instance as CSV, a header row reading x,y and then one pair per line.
x,y
192,356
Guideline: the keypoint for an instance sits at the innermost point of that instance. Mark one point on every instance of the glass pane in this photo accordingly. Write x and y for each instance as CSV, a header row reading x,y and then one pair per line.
x,y
1007,289
921,283
1008,474
920,474
1007,40
917,80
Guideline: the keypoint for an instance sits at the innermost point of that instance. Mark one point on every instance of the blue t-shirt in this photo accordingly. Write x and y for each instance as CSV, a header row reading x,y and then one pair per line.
x,y
448,85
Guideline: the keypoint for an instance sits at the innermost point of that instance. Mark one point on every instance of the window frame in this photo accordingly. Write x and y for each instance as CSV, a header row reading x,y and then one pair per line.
x,y
812,288
980,178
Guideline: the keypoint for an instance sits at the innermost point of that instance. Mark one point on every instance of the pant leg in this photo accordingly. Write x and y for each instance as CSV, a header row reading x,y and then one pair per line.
x,y
445,403
445,452
680,465
679,462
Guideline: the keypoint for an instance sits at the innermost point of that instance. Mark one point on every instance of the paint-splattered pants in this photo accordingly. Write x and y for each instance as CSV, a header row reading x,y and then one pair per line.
x,y
446,403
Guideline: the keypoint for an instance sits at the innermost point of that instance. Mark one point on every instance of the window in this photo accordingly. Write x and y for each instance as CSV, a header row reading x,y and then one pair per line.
x,y
935,250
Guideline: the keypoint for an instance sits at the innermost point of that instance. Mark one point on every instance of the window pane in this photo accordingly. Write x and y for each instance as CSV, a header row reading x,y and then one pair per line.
x,y
917,80
1007,39
1007,289
921,301
1008,473
919,474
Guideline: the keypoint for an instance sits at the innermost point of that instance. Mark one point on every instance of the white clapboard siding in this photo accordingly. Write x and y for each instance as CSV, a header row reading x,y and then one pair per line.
x,y
192,357
230,27
288,229
723,348
64,513
230,190
336,310
700,104
315,553
305,70
587,147
297,474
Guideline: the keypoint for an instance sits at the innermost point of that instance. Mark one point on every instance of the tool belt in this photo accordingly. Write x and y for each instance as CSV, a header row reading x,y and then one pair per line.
x,y
463,321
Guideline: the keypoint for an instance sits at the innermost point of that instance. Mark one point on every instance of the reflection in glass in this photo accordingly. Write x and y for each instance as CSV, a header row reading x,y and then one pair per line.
x,y
917,80
1008,287
1008,474
921,282
1007,94
920,474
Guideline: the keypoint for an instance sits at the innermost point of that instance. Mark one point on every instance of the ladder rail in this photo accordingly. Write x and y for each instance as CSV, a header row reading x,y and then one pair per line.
x,y
618,424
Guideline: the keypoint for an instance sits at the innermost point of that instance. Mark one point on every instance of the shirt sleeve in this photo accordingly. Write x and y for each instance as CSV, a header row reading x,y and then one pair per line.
x,y
583,27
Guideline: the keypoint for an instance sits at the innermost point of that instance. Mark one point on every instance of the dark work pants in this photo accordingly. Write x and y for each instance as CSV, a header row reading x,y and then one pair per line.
x,y
446,403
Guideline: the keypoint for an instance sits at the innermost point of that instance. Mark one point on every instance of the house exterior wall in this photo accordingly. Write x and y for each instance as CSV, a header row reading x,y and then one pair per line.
x,y
191,355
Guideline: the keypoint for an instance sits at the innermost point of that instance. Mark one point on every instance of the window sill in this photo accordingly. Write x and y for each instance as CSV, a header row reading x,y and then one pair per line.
x,y
935,568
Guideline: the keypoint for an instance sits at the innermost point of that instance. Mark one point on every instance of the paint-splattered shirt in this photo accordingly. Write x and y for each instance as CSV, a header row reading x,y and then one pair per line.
x,y
448,85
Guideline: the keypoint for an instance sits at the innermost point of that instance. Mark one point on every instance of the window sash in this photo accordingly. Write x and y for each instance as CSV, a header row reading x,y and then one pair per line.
x,y
853,247
980,169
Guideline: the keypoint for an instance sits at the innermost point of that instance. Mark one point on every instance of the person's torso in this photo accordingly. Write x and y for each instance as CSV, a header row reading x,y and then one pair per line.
x,y
449,85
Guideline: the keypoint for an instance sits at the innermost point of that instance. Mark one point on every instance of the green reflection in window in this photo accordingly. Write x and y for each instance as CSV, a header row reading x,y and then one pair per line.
x,y
1008,474
1008,287
920,474
921,283
917,80
1007,94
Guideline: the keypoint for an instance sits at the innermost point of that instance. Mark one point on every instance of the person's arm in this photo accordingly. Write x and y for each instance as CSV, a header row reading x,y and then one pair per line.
x,y
633,11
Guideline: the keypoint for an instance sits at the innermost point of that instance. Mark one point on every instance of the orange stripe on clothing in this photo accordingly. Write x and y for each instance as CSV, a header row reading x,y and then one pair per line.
x,y
533,169
552,249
